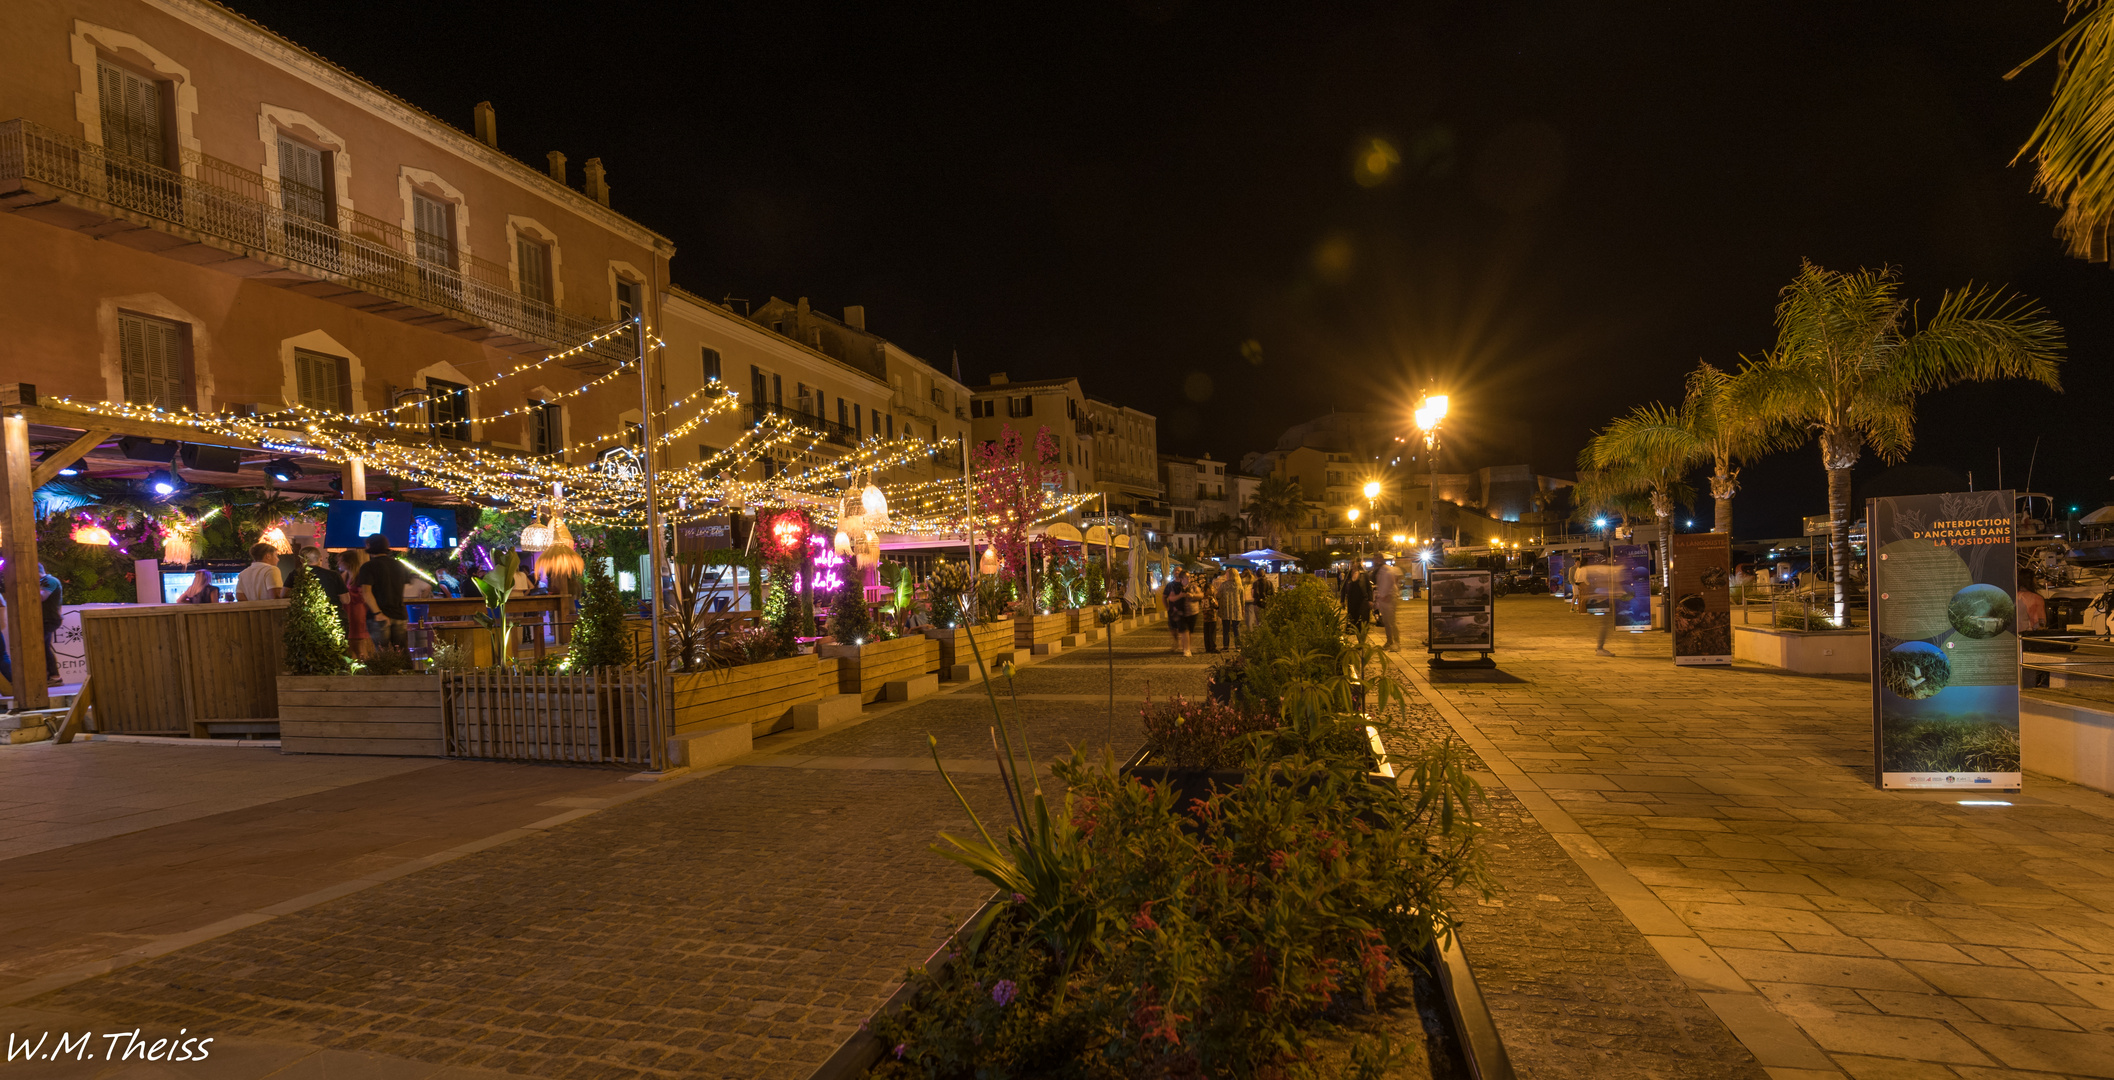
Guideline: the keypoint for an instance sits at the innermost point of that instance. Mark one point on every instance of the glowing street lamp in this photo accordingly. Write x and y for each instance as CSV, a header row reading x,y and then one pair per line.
x,y
1429,412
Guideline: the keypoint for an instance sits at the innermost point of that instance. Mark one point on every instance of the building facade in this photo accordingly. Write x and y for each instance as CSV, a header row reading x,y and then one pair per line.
x,y
200,214
1029,407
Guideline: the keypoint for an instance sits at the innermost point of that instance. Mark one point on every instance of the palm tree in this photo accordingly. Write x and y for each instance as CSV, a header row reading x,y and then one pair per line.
x,y
1221,532
1649,452
1849,363
1278,504
2073,145
1731,428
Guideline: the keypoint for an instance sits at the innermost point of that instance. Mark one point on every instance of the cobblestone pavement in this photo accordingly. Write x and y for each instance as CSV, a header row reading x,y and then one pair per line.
x,y
1575,989
1835,929
736,924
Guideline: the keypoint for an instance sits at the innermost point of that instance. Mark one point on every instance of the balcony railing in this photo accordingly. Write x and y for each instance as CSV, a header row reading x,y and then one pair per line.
x,y
233,204
840,434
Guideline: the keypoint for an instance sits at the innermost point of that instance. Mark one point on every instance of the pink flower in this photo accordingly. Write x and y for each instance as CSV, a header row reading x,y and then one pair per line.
x,y
1019,899
900,1047
1004,992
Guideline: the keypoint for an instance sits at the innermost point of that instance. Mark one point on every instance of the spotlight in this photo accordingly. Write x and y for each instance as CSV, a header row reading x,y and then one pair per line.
x,y
162,482
283,470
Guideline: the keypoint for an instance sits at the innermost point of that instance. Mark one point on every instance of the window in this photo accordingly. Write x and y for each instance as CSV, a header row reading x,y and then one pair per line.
x,y
1071,409
711,365
1023,405
757,386
978,409
891,425
546,427
152,354
843,413
778,391
627,298
534,258
939,397
855,423
323,381
704,453
448,409
133,124
433,229
810,399
304,181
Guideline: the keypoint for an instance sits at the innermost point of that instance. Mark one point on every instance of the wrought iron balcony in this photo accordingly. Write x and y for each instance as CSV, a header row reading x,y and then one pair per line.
x,y
249,216
830,430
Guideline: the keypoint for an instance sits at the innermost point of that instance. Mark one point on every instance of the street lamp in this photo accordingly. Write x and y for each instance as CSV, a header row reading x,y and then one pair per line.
x,y
1429,412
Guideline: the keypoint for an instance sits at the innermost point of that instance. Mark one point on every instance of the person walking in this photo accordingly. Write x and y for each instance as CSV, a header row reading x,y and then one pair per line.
x,y
381,584
1387,592
1231,600
1174,596
1598,581
261,580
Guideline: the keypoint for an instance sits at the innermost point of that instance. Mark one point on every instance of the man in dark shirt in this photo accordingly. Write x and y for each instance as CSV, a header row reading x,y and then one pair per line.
x,y
333,582
381,584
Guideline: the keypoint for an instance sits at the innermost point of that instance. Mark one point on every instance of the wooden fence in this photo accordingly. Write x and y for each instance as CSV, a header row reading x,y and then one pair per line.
x,y
613,716
181,669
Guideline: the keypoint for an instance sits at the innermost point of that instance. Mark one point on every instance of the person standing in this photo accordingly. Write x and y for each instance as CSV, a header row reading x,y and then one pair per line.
x,y
1357,599
1387,592
354,611
1206,600
1174,596
260,580
333,582
1232,597
201,591
1598,581
381,584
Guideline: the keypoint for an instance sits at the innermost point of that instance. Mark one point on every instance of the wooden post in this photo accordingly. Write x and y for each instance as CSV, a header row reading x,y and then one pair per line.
x,y
25,609
355,479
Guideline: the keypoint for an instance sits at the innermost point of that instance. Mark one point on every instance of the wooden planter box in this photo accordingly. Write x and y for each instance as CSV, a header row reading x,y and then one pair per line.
x,y
1030,631
866,670
760,695
361,714
994,641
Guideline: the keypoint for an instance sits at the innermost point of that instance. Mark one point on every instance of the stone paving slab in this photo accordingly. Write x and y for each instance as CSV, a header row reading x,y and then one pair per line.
x,y
1837,929
53,796
1575,989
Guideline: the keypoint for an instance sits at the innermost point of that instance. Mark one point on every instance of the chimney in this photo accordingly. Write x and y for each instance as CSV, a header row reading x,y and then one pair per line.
x,y
487,125
597,181
803,307
557,161
998,378
855,316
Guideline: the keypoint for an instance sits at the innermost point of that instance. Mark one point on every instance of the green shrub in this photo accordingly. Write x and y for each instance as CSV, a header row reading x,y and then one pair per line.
x,y
314,637
1201,734
851,619
599,639
1299,638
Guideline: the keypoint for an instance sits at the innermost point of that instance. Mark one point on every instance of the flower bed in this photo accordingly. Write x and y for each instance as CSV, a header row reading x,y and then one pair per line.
x,y
994,640
1030,631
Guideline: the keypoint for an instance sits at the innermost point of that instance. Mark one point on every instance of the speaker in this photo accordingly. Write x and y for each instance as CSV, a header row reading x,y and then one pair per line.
x,y
140,449
204,458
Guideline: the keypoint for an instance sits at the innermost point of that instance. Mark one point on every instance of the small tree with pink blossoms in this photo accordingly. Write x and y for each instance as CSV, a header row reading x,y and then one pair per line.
x,y
1009,480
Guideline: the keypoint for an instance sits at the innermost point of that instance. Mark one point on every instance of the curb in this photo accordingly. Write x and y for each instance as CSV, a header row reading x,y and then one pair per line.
x,y
863,1050
1473,1025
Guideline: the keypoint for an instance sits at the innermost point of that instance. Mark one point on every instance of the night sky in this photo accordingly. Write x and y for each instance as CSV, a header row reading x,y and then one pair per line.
x,y
1162,197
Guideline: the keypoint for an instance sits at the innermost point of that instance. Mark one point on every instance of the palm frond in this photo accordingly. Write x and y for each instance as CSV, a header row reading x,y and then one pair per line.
x,y
2073,144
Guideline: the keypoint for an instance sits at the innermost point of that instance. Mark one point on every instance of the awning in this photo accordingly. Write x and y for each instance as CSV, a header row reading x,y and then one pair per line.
x,y
1266,555
1097,534
2101,516
1058,530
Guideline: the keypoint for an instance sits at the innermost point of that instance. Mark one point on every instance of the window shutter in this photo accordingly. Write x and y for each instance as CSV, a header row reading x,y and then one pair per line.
x,y
301,186
535,260
151,354
433,221
131,108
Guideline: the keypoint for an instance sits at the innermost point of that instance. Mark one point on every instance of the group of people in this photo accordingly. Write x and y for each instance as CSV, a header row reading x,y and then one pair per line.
x,y
369,587
50,594
1219,605
1366,591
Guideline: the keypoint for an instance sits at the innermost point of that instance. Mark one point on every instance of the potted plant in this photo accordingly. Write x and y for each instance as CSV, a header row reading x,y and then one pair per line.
x,y
868,657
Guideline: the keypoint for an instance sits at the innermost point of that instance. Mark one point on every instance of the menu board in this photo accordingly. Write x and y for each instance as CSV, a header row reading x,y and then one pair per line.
x,y
1460,610
1702,601
1945,647
1632,601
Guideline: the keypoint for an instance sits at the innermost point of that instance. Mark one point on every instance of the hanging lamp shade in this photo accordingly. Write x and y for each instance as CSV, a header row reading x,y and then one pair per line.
x,y
536,537
91,534
562,557
843,544
875,505
988,565
867,546
276,537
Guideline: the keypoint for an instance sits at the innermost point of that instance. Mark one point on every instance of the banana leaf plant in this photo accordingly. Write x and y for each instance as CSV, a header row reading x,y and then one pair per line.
x,y
496,586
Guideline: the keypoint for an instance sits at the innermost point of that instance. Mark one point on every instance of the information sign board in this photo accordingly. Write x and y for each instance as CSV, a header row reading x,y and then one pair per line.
x,y
1702,600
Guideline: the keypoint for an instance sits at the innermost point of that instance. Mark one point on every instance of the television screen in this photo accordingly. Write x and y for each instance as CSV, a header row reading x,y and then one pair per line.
x,y
433,529
351,522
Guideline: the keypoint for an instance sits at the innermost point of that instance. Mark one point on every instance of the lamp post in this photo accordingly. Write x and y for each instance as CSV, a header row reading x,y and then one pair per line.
x,y
1430,411
1352,514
